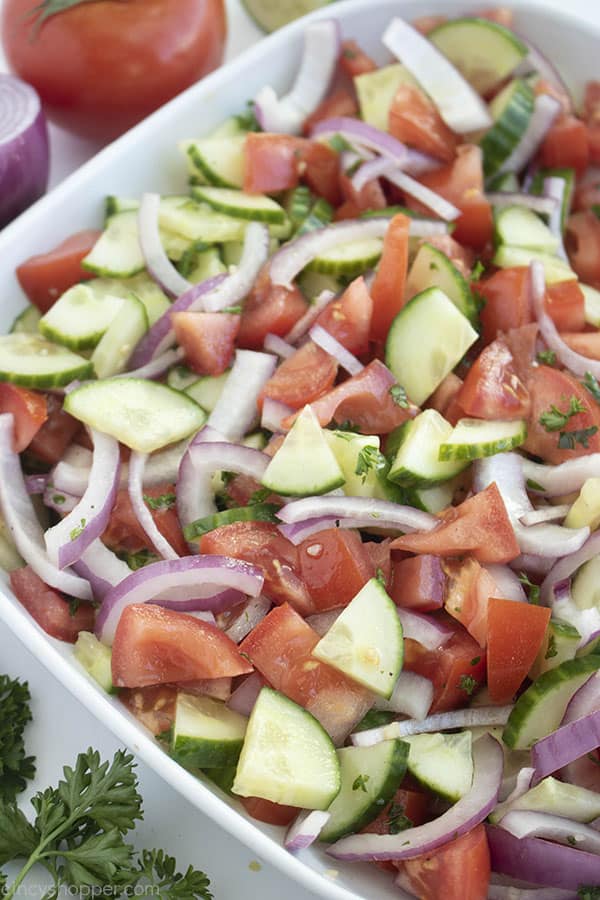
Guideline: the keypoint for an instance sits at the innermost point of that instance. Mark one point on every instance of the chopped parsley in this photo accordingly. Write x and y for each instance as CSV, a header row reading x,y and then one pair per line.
x,y
399,396
555,420
397,820
533,590
74,604
360,783
165,501
590,382
75,532
547,357
369,458
478,270
476,660
259,496
468,684
589,891
568,440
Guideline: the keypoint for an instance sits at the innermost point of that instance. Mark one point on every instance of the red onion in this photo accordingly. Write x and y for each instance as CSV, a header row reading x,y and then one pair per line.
x,y
545,205
274,344
545,514
310,316
36,484
273,414
157,366
305,829
535,565
460,718
297,532
137,464
425,630
507,582
568,565
566,744
512,892
236,287
24,150
405,517
186,478
583,701
565,478
158,264
545,111
60,501
541,862
102,568
412,696
540,63
426,228
390,170
246,694
527,823
235,410
366,136
468,812
521,783
554,189
254,612
331,345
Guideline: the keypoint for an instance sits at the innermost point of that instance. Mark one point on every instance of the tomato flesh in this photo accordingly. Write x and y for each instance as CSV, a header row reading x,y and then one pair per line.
x,y
49,608
55,434
268,309
269,812
208,339
508,302
415,121
349,318
492,389
418,583
515,634
470,587
124,532
390,280
459,870
583,246
566,145
302,377
334,567
29,412
46,276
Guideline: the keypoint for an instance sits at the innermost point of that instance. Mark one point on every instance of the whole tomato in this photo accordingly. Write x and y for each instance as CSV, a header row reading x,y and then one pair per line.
x,y
100,66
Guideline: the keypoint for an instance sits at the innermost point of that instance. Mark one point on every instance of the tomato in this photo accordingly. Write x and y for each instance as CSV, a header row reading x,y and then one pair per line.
x,y
320,168
583,245
269,812
55,434
268,309
444,397
591,107
459,870
456,669
547,387
587,193
415,121
425,24
370,196
280,647
302,377
390,281
354,61
263,544
470,587
522,343
502,15
380,557
153,706
207,338
566,145
334,567
49,608
101,67
587,343
124,532
153,645
492,388
46,276
565,304
406,802
277,162
29,412
508,303
418,583
479,526
341,102
349,318
515,634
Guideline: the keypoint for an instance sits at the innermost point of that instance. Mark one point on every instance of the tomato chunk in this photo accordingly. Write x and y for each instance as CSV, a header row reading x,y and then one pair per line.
x,y
153,645
153,706
470,587
269,812
583,246
418,583
460,870
124,532
207,338
508,303
566,145
49,608
278,162
268,309
492,389
354,61
587,343
334,566
341,102
349,318
565,305
48,275
302,377
29,412
55,434
515,635
415,121
390,281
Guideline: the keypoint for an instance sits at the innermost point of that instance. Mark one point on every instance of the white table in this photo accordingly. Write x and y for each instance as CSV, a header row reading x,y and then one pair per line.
x,y
62,728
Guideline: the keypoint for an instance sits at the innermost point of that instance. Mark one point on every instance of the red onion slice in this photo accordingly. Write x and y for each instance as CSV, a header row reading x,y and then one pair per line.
x,y
507,582
363,508
158,264
425,630
512,892
536,60
275,344
459,718
60,501
367,136
305,829
102,568
36,484
565,478
240,282
554,189
390,170
524,823
300,531
310,316
568,743
245,696
331,345
544,205
236,409
468,812
583,701
545,514
273,414
567,566
254,612
545,111
412,696
137,464
322,622
541,862
156,367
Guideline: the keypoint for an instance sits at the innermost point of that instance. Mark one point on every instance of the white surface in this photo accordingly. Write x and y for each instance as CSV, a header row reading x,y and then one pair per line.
x,y
63,728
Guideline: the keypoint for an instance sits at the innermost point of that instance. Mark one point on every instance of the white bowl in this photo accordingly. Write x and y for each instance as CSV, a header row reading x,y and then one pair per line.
x,y
147,159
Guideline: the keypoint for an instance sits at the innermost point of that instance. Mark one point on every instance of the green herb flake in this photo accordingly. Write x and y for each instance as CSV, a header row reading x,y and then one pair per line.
x,y
546,357
468,684
533,590
590,382
476,660
397,820
555,420
77,531
568,440
15,713
369,458
164,501
399,396
360,783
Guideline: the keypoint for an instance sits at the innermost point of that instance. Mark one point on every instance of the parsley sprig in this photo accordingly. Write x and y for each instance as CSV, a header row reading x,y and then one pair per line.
x,y
555,420
369,458
15,767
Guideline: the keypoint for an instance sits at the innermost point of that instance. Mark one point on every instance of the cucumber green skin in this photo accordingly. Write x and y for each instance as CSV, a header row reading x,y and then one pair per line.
x,y
59,337
298,204
350,268
271,216
319,216
449,452
52,379
446,276
538,691
502,138
180,377
270,16
212,177
258,512
223,778
565,642
27,321
198,754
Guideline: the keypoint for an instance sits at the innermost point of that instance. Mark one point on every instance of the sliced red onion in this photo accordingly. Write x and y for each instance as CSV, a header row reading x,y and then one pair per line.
x,y
460,718
254,612
137,464
240,282
366,136
507,582
322,622
60,501
273,414
331,345
541,862
545,111
22,522
425,630
67,540
426,228
512,892
523,823
412,696
235,410
544,205
102,568
305,829
567,566
246,694
158,264
435,202
459,105
158,366
468,812
566,744
189,578
521,784
220,601
36,484
363,508
372,169
534,565
78,456
275,344
310,316
566,478
545,514
186,478
70,479
583,701
536,60
554,189
297,532
319,58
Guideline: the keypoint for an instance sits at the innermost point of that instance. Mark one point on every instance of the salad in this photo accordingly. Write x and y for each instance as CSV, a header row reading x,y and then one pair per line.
x,y
305,463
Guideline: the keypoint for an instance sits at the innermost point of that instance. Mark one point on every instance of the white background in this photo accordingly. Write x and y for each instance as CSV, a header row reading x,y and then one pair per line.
x,y
62,728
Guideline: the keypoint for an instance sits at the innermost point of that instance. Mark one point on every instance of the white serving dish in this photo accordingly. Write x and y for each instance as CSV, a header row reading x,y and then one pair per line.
x,y
146,158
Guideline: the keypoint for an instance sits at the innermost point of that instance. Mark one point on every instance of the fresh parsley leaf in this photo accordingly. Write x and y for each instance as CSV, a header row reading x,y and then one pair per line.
x,y
369,458
476,660
48,8
533,590
374,719
589,892
535,485
568,440
247,120
399,396
74,604
75,532
348,426
138,560
164,501
590,382
468,684
397,820
157,869
15,713
380,576
555,420
259,496
360,783
547,357
552,649
232,310
478,270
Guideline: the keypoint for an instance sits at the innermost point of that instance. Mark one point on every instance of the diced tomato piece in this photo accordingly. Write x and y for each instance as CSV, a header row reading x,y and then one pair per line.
x,y
370,196
502,15
406,802
263,544
49,608
565,305
390,281
302,377
508,303
515,634
459,870
415,121
587,343
479,526
341,102
591,103
551,387
48,275
354,61
522,344
207,338
587,193
566,145
153,706
334,567
269,812
28,409
418,583
460,257
320,169
381,559
492,388
348,210
470,587
269,309
456,669
583,246
593,134
277,162
349,318
56,433
425,24
444,397
124,532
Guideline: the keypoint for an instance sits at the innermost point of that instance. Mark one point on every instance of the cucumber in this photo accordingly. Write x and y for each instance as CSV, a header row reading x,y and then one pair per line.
x,y
204,264
298,204
432,500
269,16
117,252
521,227
585,587
223,778
95,657
79,318
143,415
540,709
10,558
512,110
365,642
304,465
370,778
180,377
560,643
416,462
347,447
443,763
287,756
314,283
206,390
217,161
349,260
206,734
376,91
585,511
145,289
114,205
432,268
555,797
555,269
591,298
32,361
120,338
568,176
476,438
507,182
484,52
320,215
428,337
198,222
27,322
256,441
256,207
255,512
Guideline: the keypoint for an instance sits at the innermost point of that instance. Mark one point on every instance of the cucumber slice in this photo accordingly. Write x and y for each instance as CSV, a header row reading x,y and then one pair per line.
x,y
555,797
347,447
585,511
287,756
432,500
180,377
204,264
319,216
256,512
304,465
432,268
370,778
443,763
512,110
120,338
117,252
206,390
206,733
143,415
269,16
555,269
366,642
114,205
505,183
10,558
32,361
256,207
314,283
27,322
591,298
198,222
484,52
230,127
349,260
95,658
223,778
145,289
417,461
585,588
568,176
257,440
560,644
217,161
428,337
376,91
79,318
540,709
298,204
520,227
476,438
